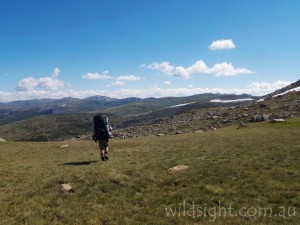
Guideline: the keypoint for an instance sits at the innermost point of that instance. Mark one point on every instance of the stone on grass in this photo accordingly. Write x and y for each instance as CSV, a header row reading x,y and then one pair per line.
x,y
64,146
178,168
67,188
2,140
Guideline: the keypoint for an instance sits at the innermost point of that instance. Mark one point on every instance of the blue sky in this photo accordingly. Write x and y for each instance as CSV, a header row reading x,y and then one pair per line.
x,y
142,48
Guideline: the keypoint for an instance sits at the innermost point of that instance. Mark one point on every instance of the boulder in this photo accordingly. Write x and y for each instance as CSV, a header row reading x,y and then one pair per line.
x,y
179,132
178,168
67,188
266,117
2,140
262,105
241,125
257,118
64,146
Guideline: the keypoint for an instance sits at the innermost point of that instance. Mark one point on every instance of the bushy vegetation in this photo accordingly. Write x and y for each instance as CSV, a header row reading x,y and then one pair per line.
x,y
254,167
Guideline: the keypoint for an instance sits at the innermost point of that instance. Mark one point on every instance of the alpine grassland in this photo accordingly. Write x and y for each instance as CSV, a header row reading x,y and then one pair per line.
x,y
233,176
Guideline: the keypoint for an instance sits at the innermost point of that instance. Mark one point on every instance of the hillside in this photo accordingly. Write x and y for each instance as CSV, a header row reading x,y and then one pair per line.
x,y
22,110
133,117
191,119
245,171
170,120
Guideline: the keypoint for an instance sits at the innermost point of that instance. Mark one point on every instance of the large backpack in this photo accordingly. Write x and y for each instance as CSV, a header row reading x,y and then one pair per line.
x,y
100,127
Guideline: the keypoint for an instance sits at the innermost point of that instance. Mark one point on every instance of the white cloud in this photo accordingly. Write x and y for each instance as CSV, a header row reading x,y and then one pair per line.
x,y
226,69
255,88
30,84
97,76
220,69
265,88
118,83
56,72
128,78
47,83
27,84
222,44
167,82
163,67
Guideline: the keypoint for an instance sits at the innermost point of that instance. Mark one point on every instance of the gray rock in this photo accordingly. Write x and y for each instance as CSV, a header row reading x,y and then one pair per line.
x,y
242,124
265,117
2,140
226,121
257,118
160,135
179,132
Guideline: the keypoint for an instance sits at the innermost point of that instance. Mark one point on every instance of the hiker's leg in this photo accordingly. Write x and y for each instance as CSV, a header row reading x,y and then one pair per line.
x,y
106,150
101,150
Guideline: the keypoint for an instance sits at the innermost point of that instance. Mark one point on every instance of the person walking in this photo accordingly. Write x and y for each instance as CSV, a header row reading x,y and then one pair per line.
x,y
102,133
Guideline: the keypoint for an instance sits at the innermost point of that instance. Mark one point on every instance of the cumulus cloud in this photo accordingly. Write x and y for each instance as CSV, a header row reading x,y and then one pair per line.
x,y
167,82
97,76
227,69
255,88
56,72
47,83
118,83
265,87
164,67
221,69
128,78
222,44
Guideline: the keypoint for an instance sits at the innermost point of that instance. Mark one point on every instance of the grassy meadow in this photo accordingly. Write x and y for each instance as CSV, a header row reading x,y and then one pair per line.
x,y
251,169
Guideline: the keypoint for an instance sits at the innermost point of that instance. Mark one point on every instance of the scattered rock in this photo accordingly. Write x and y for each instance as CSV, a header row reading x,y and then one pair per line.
x,y
226,121
178,168
160,135
179,132
2,140
266,117
241,125
67,188
257,118
278,120
262,105
198,131
64,146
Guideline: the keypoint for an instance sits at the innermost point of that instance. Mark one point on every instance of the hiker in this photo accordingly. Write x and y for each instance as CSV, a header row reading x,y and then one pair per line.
x,y
102,134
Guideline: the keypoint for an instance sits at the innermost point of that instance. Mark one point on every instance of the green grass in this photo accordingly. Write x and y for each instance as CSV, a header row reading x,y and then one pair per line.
x,y
255,167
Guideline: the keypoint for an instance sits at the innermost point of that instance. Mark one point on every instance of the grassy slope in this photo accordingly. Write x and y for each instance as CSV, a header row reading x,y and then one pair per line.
x,y
250,167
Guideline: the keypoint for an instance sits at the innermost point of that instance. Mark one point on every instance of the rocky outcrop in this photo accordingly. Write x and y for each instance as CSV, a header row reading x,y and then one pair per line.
x,y
210,119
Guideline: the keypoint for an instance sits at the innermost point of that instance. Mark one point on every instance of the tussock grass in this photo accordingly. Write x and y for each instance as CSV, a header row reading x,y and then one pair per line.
x,y
256,167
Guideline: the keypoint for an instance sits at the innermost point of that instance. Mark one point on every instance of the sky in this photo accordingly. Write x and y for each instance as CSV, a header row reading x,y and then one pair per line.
x,y
146,48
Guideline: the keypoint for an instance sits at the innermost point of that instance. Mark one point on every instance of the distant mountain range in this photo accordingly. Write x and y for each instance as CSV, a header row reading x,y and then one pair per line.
x,y
21,110
67,118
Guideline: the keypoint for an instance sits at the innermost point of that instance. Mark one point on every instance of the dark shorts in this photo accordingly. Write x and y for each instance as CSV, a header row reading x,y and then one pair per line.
x,y
103,144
